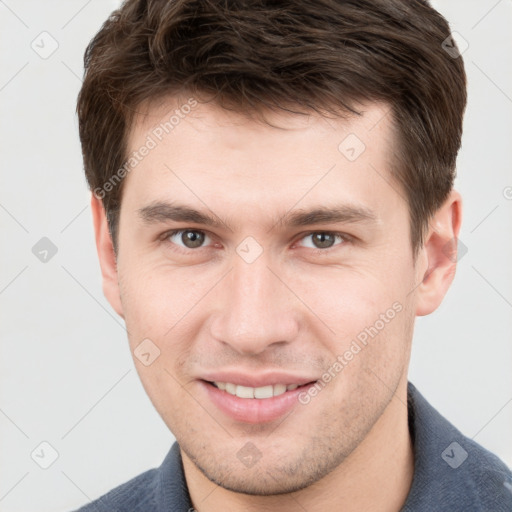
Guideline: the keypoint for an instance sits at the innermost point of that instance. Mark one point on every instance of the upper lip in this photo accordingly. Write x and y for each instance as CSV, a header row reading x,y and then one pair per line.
x,y
256,380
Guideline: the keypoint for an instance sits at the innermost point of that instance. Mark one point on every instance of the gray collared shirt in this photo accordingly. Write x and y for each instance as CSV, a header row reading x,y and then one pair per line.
x,y
452,473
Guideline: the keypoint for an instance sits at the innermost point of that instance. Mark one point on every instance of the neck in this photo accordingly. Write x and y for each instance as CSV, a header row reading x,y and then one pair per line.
x,y
377,476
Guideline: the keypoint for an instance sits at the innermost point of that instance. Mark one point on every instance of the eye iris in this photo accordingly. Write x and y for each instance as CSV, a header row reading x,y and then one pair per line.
x,y
192,239
323,240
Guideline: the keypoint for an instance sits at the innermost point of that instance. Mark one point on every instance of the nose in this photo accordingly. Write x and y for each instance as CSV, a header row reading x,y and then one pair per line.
x,y
254,309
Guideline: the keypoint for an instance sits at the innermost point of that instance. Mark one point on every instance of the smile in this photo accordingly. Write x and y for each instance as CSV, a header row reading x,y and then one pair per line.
x,y
248,404
260,392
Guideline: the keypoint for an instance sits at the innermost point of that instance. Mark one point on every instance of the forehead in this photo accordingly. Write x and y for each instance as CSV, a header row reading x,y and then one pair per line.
x,y
201,153
172,115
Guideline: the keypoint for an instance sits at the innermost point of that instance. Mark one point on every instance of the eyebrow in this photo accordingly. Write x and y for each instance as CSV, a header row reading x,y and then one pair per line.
x,y
160,211
329,215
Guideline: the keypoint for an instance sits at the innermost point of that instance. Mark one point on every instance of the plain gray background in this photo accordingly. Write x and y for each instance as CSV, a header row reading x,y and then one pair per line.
x,y
67,377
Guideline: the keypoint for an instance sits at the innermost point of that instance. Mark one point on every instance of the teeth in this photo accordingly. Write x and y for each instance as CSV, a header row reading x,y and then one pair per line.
x,y
261,392
264,392
231,388
244,392
279,389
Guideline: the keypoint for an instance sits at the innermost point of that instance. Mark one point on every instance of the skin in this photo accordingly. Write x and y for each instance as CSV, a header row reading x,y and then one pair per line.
x,y
295,308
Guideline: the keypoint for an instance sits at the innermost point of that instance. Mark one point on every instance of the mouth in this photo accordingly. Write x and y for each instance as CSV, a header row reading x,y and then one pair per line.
x,y
260,393
248,404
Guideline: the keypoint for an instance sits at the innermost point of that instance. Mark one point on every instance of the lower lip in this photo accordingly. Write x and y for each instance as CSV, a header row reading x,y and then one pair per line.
x,y
254,410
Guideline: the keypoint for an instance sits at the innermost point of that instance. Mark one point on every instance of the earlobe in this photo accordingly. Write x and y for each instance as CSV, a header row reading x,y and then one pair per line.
x,y
106,255
440,248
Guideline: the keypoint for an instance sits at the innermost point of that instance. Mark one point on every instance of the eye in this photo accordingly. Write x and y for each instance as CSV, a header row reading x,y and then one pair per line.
x,y
323,239
187,238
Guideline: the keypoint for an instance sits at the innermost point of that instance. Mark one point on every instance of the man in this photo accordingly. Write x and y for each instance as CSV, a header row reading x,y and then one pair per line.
x,y
273,206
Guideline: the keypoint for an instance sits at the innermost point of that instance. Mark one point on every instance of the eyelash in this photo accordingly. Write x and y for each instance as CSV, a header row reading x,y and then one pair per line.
x,y
345,238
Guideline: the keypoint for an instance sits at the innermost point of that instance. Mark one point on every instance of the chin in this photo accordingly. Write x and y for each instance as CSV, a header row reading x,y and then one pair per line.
x,y
268,477
260,484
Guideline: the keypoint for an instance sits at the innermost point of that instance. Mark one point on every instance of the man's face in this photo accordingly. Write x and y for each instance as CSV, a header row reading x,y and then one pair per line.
x,y
257,300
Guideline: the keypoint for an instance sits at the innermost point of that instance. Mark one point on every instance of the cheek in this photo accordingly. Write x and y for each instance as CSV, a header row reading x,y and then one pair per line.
x,y
371,315
163,302
156,304
156,301
348,301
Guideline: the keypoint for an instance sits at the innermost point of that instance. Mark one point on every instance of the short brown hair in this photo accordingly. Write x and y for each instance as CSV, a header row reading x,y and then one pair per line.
x,y
292,55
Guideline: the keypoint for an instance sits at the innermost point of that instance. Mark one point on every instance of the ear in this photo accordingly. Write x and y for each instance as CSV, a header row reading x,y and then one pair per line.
x,y
440,249
106,255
